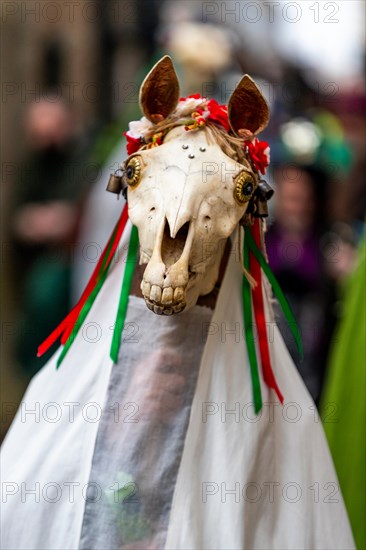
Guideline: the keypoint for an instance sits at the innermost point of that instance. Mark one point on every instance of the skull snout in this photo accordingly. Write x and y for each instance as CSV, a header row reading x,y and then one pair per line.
x,y
172,247
167,274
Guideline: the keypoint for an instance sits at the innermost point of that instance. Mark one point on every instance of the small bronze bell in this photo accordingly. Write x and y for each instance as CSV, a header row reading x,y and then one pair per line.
x,y
115,183
265,191
262,209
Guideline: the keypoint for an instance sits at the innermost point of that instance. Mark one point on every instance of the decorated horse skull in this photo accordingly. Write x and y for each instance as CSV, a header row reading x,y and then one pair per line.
x,y
191,177
191,174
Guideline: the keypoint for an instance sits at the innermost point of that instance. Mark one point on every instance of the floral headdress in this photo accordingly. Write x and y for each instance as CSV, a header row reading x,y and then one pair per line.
x,y
195,112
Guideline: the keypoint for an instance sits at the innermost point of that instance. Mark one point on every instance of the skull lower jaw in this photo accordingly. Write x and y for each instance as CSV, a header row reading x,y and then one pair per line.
x,y
173,290
164,287
174,303
161,309
166,300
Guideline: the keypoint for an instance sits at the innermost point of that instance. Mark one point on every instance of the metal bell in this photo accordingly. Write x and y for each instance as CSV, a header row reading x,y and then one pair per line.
x,y
262,209
265,191
114,184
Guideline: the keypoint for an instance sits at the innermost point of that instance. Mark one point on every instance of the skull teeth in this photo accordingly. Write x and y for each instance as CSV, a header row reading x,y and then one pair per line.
x,y
163,301
178,295
167,296
145,288
150,305
163,310
155,293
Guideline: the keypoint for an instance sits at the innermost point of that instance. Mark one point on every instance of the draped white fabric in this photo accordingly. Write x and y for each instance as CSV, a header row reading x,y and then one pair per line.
x,y
209,474
263,482
37,452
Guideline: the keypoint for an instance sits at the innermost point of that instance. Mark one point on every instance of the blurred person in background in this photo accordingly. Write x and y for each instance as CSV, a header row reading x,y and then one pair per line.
x,y
308,154
44,223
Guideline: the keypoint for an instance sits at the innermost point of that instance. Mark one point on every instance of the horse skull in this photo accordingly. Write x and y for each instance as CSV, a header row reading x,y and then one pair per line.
x,y
183,203
184,209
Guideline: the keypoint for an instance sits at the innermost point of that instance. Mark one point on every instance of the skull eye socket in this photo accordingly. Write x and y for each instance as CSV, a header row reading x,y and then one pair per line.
x,y
244,187
133,171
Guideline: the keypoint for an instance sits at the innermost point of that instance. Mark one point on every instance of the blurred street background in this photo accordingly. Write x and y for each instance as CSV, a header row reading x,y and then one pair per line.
x,y
71,72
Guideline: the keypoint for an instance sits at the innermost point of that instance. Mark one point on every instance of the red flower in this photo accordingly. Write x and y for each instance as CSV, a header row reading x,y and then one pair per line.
x,y
133,144
195,96
218,113
259,154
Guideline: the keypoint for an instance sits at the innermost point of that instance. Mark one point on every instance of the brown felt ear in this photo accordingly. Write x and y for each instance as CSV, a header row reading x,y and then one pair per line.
x,y
159,92
247,110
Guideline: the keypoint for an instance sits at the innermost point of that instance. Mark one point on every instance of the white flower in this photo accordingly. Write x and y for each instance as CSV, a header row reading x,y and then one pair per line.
x,y
188,106
139,128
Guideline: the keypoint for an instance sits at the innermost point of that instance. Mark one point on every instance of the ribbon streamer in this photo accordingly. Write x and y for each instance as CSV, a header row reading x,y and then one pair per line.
x,y
286,308
125,292
82,315
254,262
249,337
65,329
260,318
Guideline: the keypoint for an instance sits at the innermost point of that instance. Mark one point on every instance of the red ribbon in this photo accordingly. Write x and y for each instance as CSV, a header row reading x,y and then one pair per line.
x,y
64,329
260,319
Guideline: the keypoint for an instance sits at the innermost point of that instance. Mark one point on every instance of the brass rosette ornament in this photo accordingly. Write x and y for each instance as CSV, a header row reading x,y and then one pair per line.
x,y
245,186
128,175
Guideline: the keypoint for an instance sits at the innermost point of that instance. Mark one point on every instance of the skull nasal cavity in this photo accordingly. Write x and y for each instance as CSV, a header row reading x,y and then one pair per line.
x,y
171,249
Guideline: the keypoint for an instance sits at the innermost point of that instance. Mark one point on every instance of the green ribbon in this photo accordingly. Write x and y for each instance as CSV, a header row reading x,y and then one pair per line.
x,y
103,272
249,336
123,301
83,313
286,308
124,296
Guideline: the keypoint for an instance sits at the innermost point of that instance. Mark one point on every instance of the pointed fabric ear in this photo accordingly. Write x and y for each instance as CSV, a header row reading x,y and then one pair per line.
x,y
247,110
159,92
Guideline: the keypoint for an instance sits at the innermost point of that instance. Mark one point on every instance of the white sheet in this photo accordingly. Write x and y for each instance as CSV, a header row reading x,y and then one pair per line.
x,y
286,492
47,456
264,482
